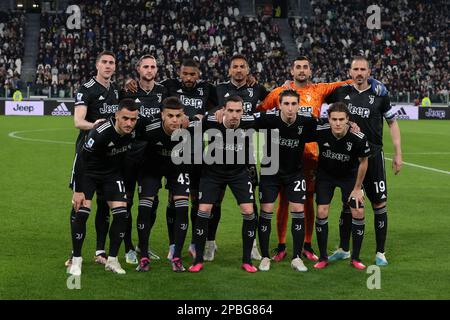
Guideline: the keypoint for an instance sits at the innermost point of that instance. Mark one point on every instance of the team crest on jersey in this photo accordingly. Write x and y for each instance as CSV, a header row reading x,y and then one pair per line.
x,y
300,130
371,99
250,92
79,96
308,97
200,91
349,146
159,95
116,93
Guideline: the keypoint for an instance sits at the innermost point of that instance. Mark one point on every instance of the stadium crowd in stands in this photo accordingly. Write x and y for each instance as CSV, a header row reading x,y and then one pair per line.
x,y
12,29
410,53
209,31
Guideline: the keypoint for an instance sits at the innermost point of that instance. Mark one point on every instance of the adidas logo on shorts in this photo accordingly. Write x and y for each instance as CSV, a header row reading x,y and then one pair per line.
x,y
61,110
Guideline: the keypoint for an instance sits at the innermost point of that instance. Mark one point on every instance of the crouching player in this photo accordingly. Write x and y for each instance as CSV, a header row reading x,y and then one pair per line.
x,y
99,169
343,159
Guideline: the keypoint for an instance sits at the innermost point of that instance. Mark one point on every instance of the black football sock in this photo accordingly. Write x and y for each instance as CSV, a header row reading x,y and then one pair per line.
x,y
170,219
154,211
181,225
143,224
264,230
79,230
216,213
201,230
194,211
345,228
248,236
101,223
298,233
129,223
322,237
381,224
357,237
117,230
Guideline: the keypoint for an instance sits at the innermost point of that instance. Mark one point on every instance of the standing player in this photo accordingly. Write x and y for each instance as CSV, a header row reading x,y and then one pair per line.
x,y
198,97
252,94
367,111
294,132
99,167
157,164
343,159
312,96
96,100
148,96
216,176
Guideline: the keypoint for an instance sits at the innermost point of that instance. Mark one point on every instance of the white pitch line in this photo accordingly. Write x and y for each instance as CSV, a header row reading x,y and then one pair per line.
x,y
15,136
423,167
423,153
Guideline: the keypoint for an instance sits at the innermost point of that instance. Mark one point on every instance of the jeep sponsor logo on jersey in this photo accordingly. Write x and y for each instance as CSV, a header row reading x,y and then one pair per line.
x,y
359,111
148,112
191,102
335,155
108,109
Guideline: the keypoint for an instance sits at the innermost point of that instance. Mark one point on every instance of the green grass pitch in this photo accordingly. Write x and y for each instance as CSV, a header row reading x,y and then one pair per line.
x,y
35,241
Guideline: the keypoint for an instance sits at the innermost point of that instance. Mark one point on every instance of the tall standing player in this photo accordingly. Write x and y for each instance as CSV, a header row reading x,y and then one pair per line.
x,y
95,101
312,96
218,174
198,97
148,96
367,111
251,94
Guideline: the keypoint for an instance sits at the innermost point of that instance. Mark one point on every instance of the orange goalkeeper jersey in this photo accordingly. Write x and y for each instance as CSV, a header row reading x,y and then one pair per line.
x,y
312,97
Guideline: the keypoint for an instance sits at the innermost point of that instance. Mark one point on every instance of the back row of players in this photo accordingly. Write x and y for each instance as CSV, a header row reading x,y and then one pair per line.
x,y
105,164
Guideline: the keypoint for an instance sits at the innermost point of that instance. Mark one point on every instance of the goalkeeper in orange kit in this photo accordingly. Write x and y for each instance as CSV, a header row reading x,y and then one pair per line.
x,y
312,96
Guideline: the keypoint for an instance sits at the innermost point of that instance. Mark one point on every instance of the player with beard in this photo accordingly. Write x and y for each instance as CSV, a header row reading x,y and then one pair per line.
x,y
148,97
95,101
198,97
99,167
367,111
240,84
312,96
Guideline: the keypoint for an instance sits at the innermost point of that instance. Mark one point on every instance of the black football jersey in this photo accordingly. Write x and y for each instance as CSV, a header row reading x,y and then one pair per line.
x,y
367,111
160,146
101,102
229,148
291,139
340,157
150,105
149,102
252,95
196,100
103,151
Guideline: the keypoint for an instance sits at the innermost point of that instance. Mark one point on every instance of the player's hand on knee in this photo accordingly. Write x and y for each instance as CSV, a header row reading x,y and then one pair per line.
x,y
78,200
356,195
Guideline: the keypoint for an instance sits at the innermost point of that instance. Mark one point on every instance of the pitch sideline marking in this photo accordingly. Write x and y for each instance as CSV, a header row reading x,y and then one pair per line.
x,y
422,167
14,135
